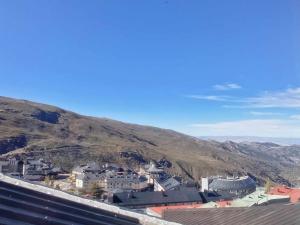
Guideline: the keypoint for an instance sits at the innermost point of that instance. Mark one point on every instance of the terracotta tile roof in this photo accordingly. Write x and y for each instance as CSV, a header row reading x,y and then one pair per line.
x,y
293,193
160,209
222,204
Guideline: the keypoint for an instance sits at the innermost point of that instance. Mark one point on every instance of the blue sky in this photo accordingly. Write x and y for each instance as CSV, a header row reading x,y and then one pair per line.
x,y
200,67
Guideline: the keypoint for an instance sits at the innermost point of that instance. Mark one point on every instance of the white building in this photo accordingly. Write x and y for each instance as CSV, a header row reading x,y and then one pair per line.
x,y
87,175
124,181
110,177
37,169
152,172
88,179
165,183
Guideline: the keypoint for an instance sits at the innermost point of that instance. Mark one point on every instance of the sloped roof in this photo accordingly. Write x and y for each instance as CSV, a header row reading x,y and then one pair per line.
x,y
153,169
168,182
260,215
19,205
157,197
213,196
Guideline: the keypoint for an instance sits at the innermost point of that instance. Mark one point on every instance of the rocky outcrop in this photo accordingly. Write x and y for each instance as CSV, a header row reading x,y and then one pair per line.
x,y
46,116
133,156
12,143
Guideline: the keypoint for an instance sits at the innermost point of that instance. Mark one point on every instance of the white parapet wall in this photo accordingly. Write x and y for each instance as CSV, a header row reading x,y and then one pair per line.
x,y
144,219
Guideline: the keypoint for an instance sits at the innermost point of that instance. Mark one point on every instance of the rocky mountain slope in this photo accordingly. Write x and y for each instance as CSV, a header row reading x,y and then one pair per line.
x,y
68,138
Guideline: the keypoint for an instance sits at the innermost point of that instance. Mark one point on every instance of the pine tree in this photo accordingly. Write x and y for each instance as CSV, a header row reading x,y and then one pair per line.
x,y
47,180
96,191
268,186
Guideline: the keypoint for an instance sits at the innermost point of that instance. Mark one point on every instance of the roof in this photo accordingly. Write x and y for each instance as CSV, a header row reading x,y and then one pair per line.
x,y
87,167
258,198
153,169
261,215
241,183
139,199
213,196
143,179
90,176
293,193
158,210
24,206
167,183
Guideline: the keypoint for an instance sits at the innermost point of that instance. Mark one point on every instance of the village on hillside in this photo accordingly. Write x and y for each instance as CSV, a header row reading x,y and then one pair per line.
x,y
148,188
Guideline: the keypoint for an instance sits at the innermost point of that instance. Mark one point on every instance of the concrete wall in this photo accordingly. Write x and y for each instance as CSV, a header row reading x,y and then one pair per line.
x,y
144,219
204,184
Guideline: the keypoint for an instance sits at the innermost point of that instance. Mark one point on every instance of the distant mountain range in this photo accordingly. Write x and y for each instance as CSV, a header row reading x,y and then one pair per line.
x,y
276,140
68,139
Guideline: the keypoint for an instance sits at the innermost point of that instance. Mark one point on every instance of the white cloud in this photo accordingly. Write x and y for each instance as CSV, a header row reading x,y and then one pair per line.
x,y
295,117
257,113
218,98
289,98
260,128
227,86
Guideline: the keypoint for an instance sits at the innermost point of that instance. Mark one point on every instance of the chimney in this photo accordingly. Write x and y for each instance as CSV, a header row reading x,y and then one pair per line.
x,y
204,184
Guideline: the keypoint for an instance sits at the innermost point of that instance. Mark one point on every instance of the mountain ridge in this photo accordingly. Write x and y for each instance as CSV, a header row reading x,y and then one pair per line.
x,y
276,140
68,138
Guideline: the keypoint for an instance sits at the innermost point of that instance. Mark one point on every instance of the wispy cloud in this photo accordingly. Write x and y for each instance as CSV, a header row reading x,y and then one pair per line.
x,y
263,128
295,117
289,98
257,113
227,86
218,98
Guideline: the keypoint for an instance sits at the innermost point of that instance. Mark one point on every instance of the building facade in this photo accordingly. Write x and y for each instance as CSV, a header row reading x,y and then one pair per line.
x,y
110,178
38,169
165,183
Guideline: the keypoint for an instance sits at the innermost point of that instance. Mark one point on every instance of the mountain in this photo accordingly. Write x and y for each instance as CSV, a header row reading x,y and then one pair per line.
x,y
277,140
67,138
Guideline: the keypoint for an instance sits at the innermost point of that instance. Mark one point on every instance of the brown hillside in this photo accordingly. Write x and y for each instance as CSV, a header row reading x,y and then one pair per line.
x,y
69,138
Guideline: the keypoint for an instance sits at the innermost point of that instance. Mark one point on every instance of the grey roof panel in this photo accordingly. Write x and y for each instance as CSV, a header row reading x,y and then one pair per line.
x,y
259,215
152,198
228,184
28,206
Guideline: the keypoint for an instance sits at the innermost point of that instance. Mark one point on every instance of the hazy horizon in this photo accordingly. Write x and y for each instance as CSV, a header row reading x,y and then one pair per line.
x,y
238,139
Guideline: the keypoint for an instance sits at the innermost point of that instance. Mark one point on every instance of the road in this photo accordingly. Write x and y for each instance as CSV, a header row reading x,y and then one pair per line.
x,y
20,206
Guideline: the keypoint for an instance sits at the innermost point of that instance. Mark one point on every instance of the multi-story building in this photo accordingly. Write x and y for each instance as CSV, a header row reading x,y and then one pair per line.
x,y
11,165
4,163
157,198
109,177
37,169
165,183
151,172
124,180
88,179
